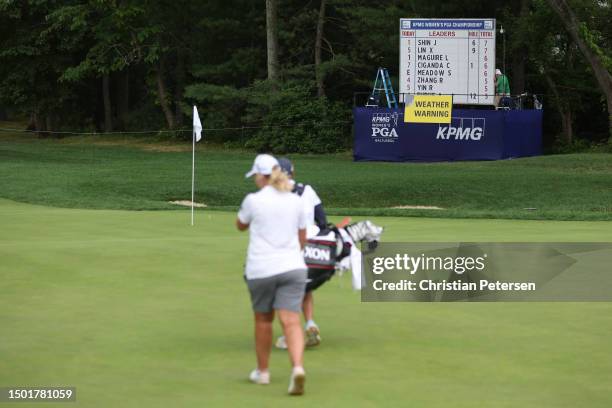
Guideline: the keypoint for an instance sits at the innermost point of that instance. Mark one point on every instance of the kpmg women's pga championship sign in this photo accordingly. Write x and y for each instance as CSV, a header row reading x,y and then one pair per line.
x,y
444,63
448,57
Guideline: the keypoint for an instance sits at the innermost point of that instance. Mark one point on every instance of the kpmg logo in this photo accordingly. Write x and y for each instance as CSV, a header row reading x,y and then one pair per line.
x,y
468,129
384,127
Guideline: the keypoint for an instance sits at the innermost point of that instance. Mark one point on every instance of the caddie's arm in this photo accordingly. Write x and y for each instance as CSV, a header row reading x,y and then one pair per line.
x,y
320,216
301,237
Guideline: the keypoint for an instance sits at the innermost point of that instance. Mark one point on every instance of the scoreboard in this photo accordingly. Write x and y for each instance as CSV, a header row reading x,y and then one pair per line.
x,y
448,57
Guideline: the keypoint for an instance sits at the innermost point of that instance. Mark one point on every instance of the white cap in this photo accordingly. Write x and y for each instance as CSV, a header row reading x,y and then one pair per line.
x,y
498,72
263,164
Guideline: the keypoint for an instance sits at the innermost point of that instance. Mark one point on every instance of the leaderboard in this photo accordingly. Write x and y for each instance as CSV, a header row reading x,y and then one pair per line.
x,y
448,57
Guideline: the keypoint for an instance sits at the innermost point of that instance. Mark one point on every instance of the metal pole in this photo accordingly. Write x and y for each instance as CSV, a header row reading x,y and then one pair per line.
x,y
504,52
192,175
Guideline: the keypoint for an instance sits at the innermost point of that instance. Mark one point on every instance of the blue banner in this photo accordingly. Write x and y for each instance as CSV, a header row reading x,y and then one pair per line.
x,y
381,134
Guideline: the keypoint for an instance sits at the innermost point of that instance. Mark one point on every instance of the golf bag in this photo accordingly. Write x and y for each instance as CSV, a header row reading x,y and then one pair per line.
x,y
324,251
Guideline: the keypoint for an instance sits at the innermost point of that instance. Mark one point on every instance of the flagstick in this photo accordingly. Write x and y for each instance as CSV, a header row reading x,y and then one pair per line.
x,y
192,176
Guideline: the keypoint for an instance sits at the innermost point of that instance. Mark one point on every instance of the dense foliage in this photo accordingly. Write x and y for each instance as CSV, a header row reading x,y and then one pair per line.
x,y
105,65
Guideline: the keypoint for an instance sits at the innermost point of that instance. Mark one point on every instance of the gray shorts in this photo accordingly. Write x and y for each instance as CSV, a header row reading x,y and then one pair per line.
x,y
284,291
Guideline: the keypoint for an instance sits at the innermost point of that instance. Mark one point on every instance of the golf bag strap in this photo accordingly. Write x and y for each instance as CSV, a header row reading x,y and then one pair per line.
x,y
346,246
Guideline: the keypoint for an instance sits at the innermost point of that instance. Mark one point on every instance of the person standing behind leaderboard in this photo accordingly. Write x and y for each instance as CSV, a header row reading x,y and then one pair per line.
x,y
502,87
316,220
275,271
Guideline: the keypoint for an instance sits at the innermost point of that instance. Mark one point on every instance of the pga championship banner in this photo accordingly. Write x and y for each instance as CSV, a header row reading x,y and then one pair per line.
x,y
381,134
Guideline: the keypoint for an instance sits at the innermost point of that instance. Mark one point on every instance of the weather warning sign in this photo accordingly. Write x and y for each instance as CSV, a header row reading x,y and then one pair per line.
x,y
448,57
428,108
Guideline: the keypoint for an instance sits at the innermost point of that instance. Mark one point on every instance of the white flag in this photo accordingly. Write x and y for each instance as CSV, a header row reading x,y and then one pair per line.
x,y
197,125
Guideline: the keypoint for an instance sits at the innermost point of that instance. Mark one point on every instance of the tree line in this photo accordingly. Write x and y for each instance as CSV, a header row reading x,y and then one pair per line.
x,y
277,75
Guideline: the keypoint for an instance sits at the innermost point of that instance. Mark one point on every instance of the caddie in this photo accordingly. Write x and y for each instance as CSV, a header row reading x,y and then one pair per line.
x,y
316,220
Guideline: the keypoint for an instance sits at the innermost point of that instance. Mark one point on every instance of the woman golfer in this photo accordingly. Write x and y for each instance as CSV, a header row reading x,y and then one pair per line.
x,y
275,270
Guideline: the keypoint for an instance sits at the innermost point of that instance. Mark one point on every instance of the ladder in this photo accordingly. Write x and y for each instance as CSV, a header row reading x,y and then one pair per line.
x,y
382,83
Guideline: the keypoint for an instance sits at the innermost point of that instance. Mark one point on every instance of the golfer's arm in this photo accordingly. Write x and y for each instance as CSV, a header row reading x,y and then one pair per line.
x,y
241,226
302,237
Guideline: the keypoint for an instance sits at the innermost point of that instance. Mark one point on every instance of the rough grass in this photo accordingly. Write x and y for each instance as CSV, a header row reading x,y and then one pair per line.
x,y
117,172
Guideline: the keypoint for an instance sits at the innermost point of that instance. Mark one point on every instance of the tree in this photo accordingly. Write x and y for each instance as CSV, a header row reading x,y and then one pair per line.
x,y
32,58
515,25
106,28
138,64
108,115
162,93
169,37
592,53
272,39
317,47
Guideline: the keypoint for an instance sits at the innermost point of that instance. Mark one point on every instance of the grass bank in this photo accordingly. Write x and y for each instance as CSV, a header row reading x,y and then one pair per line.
x,y
105,172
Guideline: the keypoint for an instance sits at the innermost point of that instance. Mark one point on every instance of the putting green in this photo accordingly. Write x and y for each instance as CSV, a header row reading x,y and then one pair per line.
x,y
138,309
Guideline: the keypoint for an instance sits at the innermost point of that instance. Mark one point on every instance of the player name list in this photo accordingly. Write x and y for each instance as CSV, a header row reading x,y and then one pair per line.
x,y
454,58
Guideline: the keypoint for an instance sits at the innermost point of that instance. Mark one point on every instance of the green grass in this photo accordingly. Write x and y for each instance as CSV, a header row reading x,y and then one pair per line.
x,y
137,309
126,173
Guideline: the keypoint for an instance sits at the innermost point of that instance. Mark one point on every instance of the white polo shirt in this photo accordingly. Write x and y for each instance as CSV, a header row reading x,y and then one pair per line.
x,y
310,200
274,218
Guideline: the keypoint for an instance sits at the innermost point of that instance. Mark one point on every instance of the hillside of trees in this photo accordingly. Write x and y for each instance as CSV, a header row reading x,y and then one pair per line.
x,y
277,75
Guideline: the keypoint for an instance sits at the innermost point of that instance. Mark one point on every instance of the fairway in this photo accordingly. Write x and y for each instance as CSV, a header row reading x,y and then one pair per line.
x,y
137,309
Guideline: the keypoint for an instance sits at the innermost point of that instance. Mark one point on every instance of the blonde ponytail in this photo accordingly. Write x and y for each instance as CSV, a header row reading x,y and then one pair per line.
x,y
279,180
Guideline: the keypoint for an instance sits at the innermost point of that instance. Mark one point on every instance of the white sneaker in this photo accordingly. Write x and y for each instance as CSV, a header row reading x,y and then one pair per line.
x,y
260,377
313,336
281,343
296,384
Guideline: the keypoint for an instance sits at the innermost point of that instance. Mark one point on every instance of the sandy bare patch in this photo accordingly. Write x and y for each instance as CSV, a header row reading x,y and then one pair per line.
x,y
187,203
151,147
166,148
417,207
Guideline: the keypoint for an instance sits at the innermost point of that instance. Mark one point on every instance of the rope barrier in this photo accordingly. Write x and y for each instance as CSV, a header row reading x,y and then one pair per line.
x,y
135,132
328,124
